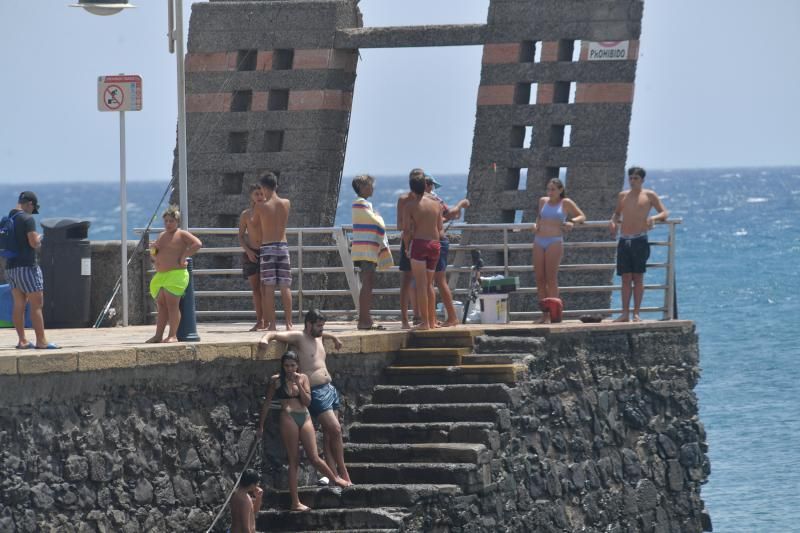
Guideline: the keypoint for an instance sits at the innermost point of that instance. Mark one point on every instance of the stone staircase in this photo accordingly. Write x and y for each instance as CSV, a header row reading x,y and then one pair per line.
x,y
429,433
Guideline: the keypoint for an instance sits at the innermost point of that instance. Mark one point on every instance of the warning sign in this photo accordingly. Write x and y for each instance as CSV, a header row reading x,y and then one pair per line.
x,y
608,51
119,93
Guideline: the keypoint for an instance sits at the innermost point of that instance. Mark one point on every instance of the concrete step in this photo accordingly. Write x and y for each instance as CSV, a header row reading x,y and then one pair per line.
x,y
489,392
332,519
470,432
488,359
510,341
429,452
359,496
437,412
450,337
430,356
430,375
469,477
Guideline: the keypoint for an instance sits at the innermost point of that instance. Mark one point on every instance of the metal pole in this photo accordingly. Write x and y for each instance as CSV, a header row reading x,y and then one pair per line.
x,y
123,215
182,171
669,292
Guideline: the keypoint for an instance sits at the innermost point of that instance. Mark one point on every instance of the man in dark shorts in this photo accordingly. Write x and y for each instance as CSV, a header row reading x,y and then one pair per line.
x,y
404,265
24,275
633,249
439,277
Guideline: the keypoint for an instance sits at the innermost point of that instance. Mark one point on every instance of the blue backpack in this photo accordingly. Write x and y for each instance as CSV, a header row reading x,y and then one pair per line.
x,y
8,238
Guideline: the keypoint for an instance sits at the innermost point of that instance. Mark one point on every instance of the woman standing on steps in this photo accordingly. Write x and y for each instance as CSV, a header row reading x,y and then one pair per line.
x,y
548,245
294,392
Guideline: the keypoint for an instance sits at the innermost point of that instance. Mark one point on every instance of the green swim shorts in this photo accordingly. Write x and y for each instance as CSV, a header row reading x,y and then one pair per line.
x,y
172,281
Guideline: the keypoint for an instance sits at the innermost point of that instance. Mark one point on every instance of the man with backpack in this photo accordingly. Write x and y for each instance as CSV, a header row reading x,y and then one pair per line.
x,y
19,244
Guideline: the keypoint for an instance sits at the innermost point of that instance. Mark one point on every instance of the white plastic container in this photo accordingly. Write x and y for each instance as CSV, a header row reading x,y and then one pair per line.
x,y
494,308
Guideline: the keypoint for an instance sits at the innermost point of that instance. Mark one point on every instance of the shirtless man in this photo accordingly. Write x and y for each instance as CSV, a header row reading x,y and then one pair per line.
x,y
250,241
271,216
324,397
405,263
439,277
422,228
168,285
245,503
633,250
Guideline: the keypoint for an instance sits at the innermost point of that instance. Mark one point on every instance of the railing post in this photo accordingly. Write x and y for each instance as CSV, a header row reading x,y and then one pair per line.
x,y
347,263
505,251
669,292
300,276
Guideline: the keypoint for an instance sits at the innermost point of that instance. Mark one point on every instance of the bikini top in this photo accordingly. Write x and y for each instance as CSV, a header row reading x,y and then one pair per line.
x,y
281,394
553,212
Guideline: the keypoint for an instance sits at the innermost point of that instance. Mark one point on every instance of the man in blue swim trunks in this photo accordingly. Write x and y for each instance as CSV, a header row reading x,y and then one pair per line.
x,y
324,396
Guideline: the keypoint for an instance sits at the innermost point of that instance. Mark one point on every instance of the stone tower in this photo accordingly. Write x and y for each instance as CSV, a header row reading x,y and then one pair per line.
x,y
267,90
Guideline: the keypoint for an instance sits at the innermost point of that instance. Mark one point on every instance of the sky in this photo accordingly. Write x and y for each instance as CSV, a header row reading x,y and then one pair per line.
x,y
717,85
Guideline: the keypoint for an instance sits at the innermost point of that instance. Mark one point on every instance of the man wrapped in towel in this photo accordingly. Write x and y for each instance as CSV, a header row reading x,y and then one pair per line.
x,y
370,248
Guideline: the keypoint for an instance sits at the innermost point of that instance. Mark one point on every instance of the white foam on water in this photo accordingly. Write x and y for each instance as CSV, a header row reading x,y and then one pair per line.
x,y
740,232
757,200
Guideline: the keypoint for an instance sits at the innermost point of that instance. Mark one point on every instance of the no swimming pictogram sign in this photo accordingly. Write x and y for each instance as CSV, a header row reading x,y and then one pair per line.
x,y
119,93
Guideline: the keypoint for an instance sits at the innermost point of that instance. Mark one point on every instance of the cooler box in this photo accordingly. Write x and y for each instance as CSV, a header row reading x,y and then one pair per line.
x,y
7,308
499,285
494,308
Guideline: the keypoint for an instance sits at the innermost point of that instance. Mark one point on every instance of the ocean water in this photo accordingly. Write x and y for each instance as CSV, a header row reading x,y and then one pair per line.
x,y
738,278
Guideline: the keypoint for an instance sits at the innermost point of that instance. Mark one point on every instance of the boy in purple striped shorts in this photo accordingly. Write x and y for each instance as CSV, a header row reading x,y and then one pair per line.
x,y
271,217
24,275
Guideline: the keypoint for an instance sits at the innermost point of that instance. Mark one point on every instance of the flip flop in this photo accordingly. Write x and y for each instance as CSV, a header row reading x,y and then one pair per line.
x,y
50,346
28,346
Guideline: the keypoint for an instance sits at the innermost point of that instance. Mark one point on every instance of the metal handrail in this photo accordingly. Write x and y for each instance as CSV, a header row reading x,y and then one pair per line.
x,y
339,234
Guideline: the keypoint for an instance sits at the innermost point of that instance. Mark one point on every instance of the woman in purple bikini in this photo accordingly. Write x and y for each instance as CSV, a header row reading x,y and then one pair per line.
x,y
548,246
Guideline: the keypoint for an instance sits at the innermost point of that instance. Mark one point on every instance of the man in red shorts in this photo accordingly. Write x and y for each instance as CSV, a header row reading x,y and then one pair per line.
x,y
423,228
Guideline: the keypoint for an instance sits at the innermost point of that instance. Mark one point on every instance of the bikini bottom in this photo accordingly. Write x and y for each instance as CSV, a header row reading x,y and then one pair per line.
x,y
299,417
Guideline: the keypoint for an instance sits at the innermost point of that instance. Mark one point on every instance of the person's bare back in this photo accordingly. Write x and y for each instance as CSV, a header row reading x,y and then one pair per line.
x,y
423,217
272,216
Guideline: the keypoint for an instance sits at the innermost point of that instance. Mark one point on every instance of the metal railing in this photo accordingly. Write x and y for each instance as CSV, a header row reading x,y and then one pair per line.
x,y
340,246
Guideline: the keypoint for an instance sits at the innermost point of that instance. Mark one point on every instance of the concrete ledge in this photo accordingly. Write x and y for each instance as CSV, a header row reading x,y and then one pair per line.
x,y
219,350
86,350
47,362
8,366
165,354
104,360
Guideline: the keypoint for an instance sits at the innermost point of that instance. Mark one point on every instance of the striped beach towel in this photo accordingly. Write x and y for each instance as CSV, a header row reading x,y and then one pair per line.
x,y
369,236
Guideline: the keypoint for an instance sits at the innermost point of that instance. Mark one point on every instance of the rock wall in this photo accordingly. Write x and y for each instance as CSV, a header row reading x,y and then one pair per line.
x,y
143,449
604,436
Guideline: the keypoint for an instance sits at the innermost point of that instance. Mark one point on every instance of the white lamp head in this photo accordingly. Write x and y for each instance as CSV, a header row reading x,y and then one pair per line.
x,y
103,7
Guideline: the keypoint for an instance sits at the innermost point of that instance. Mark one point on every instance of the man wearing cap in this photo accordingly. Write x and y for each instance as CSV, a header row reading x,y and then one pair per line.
x,y
24,275
448,213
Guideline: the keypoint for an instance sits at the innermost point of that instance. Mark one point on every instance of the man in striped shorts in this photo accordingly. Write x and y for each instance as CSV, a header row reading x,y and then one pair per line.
x,y
24,275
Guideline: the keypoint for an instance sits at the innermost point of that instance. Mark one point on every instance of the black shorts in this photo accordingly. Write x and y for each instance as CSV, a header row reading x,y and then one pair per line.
x,y
632,255
405,263
249,268
366,266
444,247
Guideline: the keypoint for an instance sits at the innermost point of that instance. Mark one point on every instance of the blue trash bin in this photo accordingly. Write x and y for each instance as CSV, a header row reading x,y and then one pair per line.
x,y
7,308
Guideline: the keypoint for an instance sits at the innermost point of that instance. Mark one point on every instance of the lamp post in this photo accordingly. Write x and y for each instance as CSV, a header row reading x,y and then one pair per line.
x,y
175,38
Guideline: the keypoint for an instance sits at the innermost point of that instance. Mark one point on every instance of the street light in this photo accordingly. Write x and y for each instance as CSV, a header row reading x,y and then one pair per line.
x,y
103,8
175,38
